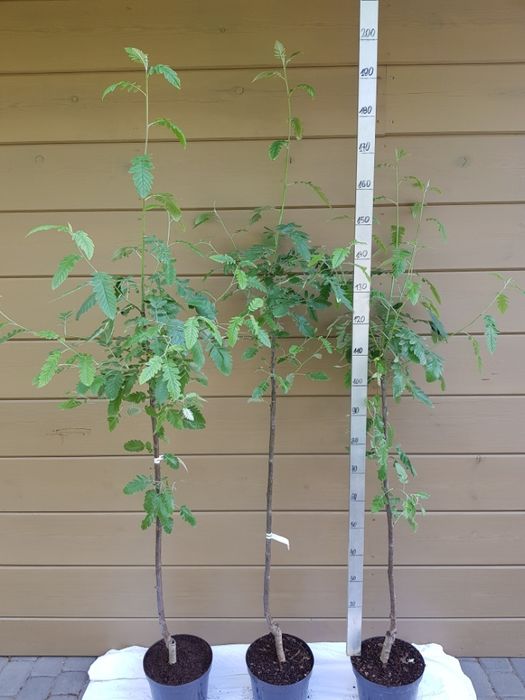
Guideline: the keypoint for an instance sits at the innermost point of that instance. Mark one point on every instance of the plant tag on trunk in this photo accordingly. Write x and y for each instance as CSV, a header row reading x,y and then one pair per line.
x,y
278,538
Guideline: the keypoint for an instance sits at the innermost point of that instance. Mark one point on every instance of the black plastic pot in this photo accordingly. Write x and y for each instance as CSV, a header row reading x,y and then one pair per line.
x,y
195,690
368,690
268,691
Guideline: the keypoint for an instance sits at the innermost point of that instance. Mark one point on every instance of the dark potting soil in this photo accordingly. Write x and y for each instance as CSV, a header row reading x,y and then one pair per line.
x,y
193,660
405,665
262,661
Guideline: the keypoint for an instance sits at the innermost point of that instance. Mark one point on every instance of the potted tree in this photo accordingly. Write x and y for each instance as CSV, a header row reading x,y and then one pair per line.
x,y
404,311
281,283
142,356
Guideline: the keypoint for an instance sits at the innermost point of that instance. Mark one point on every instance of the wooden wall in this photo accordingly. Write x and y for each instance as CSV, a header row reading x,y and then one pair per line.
x,y
75,569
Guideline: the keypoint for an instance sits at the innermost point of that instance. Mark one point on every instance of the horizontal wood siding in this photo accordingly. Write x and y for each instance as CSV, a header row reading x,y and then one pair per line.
x,y
75,568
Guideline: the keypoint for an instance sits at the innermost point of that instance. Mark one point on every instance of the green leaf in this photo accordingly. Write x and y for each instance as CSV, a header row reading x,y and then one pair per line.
x,y
134,446
250,352
405,460
297,127
260,390
203,218
256,303
440,227
104,289
222,359
399,381
172,461
84,243
401,472
378,503
502,302
121,85
491,332
137,56
171,375
278,50
86,369
233,330
477,352
113,382
151,368
258,332
140,483
275,148
166,201
266,74
48,369
11,334
241,278
307,88
419,394
48,227
167,72
318,376
47,335
70,403
171,126
339,256
186,514
413,291
191,331
64,268
315,188
141,171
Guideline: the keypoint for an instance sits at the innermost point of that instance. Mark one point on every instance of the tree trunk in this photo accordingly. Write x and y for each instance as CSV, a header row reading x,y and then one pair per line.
x,y
272,624
168,639
390,636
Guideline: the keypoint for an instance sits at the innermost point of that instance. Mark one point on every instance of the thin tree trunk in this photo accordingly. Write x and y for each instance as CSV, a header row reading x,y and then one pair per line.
x,y
272,624
390,636
168,639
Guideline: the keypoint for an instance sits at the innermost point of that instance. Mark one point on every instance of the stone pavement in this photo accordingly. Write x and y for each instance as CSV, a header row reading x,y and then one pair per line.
x,y
65,678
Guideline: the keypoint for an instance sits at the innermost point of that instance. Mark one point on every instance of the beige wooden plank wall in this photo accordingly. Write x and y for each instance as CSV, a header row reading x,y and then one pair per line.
x,y
75,570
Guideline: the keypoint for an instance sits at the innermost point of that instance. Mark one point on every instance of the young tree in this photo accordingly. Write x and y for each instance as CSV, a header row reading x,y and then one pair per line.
x,y
150,345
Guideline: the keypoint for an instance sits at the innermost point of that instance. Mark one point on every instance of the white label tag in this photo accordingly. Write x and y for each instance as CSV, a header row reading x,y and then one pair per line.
x,y
278,538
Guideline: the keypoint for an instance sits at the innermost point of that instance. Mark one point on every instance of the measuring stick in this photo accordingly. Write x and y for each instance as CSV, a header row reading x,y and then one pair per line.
x,y
364,203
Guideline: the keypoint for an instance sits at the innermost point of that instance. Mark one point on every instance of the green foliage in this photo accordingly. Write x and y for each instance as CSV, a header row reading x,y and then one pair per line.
x,y
141,170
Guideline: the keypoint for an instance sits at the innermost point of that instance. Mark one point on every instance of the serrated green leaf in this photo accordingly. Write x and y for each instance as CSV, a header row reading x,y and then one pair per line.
x,y
222,359
166,201
233,329
419,394
64,268
278,50
134,446
203,218
401,472
307,88
339,256
70,403
86,368
266,74
113,382
150,369
140,483
186,514
297,127
318,376
86,305
491,332
171,375
11,334
47,335
477,352
137,56
241,278
275,148
256,303
250,352
378,503
440,227
121,85
315,188
48,227
172,461
167,72
48,369
171,126
191,331
141,171
104,289
502,302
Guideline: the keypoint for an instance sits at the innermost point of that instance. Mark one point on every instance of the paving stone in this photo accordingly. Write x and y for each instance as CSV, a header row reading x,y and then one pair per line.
x,y
78,663
507,684
48,666
62,697
519,667
13,675
3,661
495,664
479,678
36,688
71,682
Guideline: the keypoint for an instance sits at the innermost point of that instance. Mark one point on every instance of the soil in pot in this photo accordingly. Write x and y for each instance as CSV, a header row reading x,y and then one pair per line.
x,y
194,657
405,665
262,661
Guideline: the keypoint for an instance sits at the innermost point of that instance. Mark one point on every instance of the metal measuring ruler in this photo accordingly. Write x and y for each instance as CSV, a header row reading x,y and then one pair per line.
x,y
364,203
